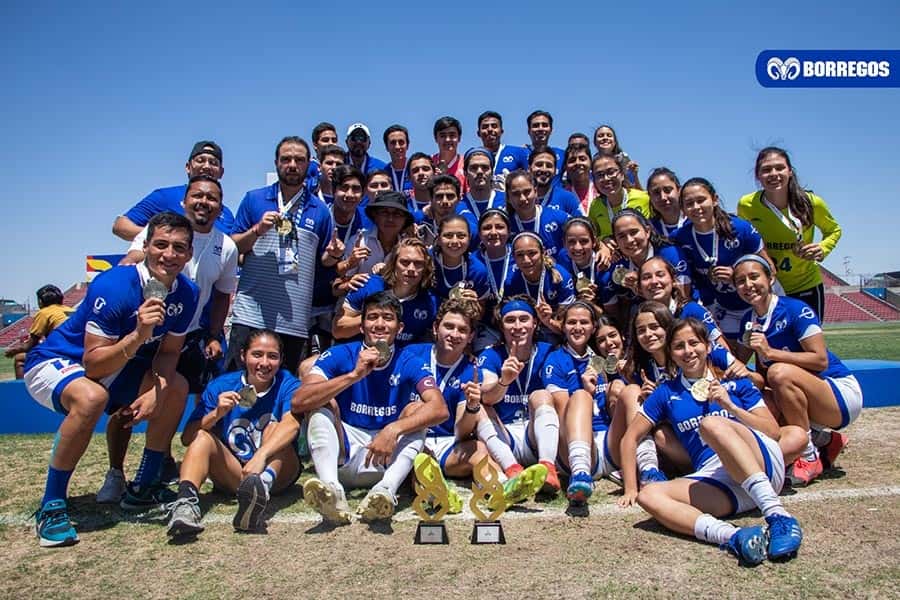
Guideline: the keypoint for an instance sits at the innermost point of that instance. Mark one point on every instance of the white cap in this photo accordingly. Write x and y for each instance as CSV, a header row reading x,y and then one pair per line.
x,y
356,126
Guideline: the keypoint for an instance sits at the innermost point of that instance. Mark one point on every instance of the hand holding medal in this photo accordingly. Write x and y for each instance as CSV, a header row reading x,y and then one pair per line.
x,y
248,396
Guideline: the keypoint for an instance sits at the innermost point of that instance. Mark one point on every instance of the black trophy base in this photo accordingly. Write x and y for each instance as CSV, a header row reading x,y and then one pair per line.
x,y
431,533
488,532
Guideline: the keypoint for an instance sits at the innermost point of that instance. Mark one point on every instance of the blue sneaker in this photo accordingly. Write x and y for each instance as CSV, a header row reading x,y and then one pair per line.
x,y
748,544
652,475
581,486
53,526
785,537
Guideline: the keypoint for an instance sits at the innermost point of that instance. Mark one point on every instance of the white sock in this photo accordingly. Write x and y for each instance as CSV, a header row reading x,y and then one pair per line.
x,y
323,443
546,432
498,449
268,477
810,454
760,489
646,454
707,528
408,446
579,457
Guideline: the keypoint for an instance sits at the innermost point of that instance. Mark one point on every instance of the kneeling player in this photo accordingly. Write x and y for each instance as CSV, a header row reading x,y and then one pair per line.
x,y
114,336
237,412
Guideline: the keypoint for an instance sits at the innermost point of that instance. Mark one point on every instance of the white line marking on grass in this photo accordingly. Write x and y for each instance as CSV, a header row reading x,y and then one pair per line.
x,y
524,512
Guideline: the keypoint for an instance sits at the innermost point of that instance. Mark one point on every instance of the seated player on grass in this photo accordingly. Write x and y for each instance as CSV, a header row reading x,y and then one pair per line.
x,y
237,412
117,340
379,429
731,438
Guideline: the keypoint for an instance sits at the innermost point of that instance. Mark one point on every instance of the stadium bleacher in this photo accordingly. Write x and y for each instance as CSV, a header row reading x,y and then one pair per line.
x,y
18,331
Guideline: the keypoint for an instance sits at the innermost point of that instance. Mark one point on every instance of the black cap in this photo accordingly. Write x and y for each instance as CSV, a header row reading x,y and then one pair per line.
x,y
390,199
206,147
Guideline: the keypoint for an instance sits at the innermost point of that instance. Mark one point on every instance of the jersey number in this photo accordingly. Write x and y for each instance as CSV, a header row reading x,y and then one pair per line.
x,y
785,264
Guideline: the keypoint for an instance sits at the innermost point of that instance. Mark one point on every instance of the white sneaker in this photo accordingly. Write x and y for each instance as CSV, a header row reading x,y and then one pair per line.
x,y
113,487
378,505
328,500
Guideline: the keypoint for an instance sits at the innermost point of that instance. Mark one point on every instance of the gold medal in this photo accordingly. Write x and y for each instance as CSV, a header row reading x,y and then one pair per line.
x,y
598,363
154,288
619,274
384,351
700,390
248,396
612,364
284,226
582,283
456,292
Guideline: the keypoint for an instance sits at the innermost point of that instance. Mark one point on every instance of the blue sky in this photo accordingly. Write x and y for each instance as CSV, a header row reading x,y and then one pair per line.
x,y
102,102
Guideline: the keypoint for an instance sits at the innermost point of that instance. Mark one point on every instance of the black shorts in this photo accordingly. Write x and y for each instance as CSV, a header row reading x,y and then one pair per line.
x,y
193,364
815,297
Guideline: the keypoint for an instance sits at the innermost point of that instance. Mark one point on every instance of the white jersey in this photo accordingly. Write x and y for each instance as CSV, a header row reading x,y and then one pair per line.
x,y
214,265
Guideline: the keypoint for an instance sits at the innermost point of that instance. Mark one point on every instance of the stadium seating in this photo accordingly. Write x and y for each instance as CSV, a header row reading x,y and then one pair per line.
x,y
18,331
879,308
839,310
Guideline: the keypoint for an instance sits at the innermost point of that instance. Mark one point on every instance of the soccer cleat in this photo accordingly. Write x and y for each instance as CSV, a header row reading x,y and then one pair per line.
x,y
748,544
581,486
551,481
785,537
327,500
53,526
652,475
113,487
150,497
829,453
184,517
803,473
253,497
521,487
434,473
378,505
168,471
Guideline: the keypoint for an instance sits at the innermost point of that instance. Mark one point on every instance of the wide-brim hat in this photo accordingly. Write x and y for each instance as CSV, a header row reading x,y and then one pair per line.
x,y
394,200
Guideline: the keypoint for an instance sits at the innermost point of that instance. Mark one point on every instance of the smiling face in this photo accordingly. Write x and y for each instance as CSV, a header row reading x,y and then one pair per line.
x,y
539,130
203,204
262,359
358,144
453,334
773,172
664,197
655,280
490,130
448,141
689,352
380,323
752,283
649,333
605,140
578,327
529,257
454,238
494,233
543,168
204,164
167,251
348,194
521,195
607,175
632,238
609,341
397,145
518,328
578,164
579,244
699,205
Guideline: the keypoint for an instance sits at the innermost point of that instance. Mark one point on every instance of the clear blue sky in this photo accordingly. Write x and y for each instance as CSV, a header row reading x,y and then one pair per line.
x,y
100,104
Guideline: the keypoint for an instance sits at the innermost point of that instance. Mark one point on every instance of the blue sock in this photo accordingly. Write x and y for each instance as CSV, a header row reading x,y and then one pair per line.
x,y
148,472
57,485
268,477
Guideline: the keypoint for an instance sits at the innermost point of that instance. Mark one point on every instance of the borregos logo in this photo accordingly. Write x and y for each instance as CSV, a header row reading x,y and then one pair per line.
x,y
828,68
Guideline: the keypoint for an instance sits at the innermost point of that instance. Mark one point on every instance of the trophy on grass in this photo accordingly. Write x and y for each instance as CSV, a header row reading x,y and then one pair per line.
x,y
487,492
431,503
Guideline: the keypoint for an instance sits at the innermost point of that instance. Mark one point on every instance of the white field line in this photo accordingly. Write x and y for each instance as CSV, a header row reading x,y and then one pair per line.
x,y
20,519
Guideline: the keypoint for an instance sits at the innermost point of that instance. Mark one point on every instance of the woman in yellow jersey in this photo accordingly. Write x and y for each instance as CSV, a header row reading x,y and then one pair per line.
x,y
609,175
786,216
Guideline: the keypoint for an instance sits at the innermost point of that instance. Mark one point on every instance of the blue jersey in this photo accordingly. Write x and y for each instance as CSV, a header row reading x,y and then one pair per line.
x,y
548,224
611,293
109,310
378,399
692,309
471,270
791,322
509,158
322,295
420,218
600,418
560,161
564,259
241,429
476,207
667,231
673,402
170,198
698,248
419,311
554,294
400,180
514,405
719,357
370,163
563,370
449,380
562,200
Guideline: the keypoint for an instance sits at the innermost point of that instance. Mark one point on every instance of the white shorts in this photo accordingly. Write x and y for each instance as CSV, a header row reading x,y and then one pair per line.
x,y
517,438
713,473
354,473
46,381
440,447
849,398
729,320
604,464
